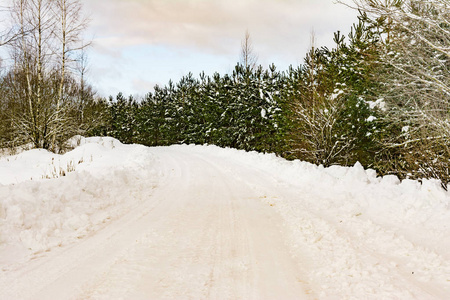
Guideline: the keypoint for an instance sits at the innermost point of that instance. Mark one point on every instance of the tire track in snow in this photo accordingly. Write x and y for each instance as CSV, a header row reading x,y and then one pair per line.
x,y
355,257
215,241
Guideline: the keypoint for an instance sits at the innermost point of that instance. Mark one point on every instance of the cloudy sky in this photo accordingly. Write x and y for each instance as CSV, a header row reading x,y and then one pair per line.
x,y
140,43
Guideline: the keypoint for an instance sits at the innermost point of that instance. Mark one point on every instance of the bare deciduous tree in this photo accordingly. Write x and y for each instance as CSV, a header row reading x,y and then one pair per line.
x,y
49,36
248,58
32,53
71,27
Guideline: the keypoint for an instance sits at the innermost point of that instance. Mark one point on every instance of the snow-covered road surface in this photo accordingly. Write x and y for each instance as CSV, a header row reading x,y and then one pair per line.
x,y
210,223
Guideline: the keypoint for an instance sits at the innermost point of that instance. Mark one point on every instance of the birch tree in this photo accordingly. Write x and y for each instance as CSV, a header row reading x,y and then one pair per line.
x,y
68,34
32,53
50,35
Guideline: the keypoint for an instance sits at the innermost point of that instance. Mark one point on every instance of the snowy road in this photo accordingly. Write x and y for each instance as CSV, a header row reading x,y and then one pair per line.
x,y
203,234
217,228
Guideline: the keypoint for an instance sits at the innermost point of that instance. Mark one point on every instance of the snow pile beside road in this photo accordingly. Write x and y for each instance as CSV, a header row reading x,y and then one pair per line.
x,y
352,191
37,164
49,200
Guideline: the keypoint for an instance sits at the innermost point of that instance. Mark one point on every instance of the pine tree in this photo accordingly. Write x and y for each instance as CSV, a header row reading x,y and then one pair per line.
x,y
330,101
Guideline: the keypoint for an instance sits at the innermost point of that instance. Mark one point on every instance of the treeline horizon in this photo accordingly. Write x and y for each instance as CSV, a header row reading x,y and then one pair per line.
x,y
380,96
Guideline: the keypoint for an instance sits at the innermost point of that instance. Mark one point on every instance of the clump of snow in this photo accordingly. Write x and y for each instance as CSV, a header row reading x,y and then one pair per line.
x,y
371,119
336,93
380,103
263,113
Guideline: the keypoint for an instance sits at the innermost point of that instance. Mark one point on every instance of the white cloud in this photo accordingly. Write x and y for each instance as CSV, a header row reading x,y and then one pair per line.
x,y
216,26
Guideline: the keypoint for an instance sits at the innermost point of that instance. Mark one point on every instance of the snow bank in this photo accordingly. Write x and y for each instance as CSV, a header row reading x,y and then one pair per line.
x,y
48,200
350,191
38,164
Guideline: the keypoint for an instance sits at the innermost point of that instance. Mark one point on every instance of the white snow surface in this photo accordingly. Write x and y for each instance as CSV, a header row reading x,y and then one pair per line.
x,y
114,221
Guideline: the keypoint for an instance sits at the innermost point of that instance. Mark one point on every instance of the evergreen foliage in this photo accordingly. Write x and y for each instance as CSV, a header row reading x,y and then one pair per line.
x,y
241,110
334,123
